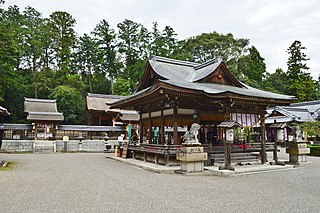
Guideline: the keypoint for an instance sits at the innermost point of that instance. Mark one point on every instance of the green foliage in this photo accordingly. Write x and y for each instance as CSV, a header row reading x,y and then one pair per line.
x,y
61,24
163,43
122,87
314,150
299,81
109,64
101,84
252,65
71,103
42,57
275,82
312,128
208,46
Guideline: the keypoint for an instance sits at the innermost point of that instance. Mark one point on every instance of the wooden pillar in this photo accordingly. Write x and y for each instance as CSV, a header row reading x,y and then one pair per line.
x,y
162,129
198,122
141,129
227,146
36,131
263,139
275,151
175,126
1,137
150,136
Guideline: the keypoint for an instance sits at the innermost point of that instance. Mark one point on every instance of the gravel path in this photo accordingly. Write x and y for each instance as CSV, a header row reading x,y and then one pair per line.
x,y
76,182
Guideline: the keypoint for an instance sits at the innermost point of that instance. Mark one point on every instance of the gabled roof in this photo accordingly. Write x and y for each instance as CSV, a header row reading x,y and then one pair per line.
x,y
4,111
212,79
289,114
312,106
42,109
101,102
176,70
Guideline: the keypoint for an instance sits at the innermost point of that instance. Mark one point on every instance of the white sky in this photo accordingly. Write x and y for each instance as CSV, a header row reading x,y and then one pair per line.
x,y
271,25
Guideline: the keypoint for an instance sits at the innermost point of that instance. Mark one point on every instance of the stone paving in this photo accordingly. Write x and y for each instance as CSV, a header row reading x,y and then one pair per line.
x,y
88,182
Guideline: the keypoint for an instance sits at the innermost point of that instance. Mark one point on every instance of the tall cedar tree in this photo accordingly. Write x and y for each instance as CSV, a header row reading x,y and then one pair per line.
x,y
299,81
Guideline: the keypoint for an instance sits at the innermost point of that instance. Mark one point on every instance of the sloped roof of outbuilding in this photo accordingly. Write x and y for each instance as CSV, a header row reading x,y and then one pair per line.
x,y
4,111
101,102
42,109
290,114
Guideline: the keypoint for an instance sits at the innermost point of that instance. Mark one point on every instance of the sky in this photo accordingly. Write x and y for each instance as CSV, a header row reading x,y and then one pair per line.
x,y
271,25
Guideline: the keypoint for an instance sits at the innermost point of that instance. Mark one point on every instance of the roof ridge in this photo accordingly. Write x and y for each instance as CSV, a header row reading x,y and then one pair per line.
x,y
306,103
289,108
212,61
40,100
284,112
173,61
105,96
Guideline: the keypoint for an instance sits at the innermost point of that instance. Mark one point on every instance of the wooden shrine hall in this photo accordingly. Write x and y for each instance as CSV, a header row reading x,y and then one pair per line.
x,y
175,94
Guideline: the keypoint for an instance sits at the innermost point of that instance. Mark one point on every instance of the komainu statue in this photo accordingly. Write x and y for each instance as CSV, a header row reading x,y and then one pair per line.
x,y
191,136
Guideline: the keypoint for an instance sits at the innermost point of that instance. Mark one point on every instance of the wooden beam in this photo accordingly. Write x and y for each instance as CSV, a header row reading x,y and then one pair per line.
x,y
175,126
162,129
141,129
263,139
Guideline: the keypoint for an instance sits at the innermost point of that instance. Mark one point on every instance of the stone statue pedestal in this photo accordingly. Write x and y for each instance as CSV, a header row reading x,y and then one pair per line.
x,y
191,157
298,152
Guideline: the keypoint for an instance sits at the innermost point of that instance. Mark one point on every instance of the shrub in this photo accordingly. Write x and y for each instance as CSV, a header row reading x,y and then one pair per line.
x,y
314,150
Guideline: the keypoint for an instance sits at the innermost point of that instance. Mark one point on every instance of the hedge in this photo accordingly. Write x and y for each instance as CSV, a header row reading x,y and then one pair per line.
x,y
314,150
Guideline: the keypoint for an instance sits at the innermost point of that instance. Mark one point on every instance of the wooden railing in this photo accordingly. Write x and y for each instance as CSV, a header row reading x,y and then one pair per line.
x,y
167,152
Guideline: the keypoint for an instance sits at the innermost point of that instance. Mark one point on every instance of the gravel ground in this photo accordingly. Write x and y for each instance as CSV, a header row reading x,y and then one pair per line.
x,y
83,182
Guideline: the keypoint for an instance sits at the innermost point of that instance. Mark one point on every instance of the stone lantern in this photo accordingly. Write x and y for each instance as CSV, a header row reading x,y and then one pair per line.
x,y
228,127
297,148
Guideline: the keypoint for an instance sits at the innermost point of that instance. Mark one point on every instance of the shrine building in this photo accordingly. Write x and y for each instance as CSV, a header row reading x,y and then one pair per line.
x,y
174,94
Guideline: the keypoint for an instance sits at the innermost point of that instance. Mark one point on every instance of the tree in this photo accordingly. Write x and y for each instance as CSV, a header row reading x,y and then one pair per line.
x,y
109,64
162,43
300,82
13,81
61,24
133,43
32,33
213,45
275,82
86,58
122,87
71,103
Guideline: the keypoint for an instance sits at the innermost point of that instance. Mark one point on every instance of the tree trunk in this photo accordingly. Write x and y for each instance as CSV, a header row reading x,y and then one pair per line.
x,y
112,85
90,82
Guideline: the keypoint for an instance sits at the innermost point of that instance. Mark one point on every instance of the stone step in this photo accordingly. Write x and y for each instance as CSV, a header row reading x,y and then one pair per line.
x,y
235,157
43,147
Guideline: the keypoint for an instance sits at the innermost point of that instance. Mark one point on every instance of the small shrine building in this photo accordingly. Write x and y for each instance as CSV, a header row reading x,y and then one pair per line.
x,y
44,116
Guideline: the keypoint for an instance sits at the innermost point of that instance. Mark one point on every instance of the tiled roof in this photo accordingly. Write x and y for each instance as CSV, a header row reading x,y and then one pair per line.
x,y
172,69
188,75
211,88
290,114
